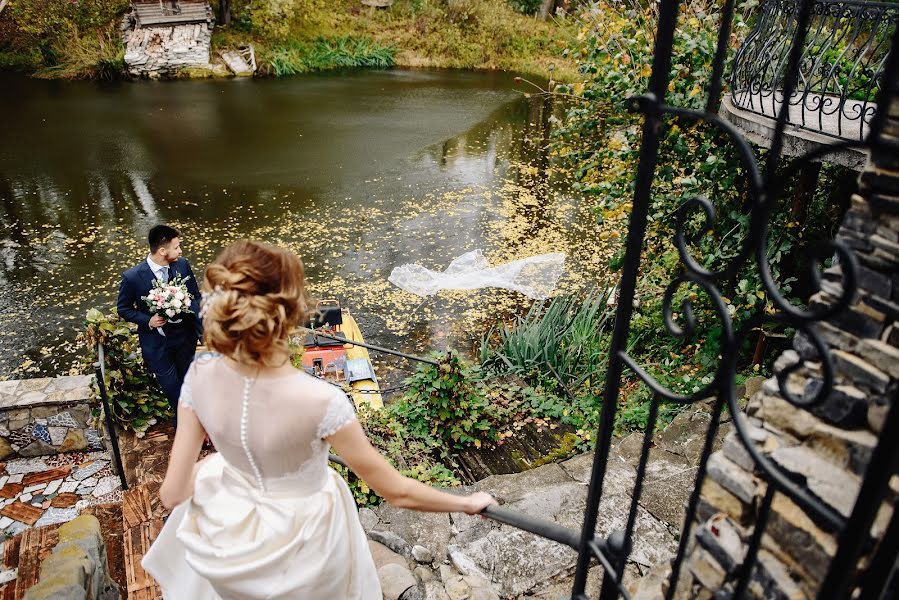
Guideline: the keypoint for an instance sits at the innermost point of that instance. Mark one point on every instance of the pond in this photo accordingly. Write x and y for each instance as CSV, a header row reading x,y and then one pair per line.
x,y
357,171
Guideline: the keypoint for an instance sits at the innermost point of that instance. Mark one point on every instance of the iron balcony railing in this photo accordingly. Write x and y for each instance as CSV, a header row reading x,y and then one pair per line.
x,y
840,68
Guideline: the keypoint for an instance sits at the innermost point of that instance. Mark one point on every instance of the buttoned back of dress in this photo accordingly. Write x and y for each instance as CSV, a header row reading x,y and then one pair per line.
x,y
267,428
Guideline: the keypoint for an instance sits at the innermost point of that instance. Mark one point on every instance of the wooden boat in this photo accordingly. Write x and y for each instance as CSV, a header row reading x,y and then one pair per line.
x,y
346,365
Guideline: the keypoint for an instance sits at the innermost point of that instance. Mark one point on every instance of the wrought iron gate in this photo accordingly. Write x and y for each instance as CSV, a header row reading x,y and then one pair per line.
x,y
765,186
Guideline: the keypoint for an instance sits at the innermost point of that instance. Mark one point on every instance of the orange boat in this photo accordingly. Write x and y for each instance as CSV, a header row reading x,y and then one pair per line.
x,y
343,364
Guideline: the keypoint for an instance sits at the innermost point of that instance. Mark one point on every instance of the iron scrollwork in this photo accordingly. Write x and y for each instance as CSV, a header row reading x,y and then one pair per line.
x,y
839,72
781,55
789,55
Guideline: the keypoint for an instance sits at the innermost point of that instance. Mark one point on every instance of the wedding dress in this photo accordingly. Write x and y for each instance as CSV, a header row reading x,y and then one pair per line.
x,y
268,518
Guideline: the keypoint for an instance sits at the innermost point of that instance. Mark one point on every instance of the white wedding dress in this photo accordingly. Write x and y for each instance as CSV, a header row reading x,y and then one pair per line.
x,y
268,518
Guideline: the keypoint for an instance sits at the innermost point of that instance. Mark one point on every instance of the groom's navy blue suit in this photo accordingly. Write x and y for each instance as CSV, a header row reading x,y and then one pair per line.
x,y
167,356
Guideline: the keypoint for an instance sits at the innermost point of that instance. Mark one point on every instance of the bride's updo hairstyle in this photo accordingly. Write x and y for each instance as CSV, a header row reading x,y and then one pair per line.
x,y
256,297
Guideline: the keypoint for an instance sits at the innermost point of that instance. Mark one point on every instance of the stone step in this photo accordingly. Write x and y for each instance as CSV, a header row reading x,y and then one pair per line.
x,y
235,61
35,492
46,416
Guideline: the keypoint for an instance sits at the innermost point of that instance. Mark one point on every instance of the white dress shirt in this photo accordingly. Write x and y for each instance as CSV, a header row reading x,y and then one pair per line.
x,y
159,272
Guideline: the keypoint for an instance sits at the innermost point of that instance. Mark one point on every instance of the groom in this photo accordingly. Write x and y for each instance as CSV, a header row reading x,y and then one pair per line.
x,y
168,348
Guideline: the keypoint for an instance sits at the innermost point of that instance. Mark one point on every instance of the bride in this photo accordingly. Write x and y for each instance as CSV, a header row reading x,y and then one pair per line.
x,y
265,517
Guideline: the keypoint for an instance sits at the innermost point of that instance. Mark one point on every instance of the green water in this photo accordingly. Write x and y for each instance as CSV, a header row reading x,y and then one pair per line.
x,y
357,171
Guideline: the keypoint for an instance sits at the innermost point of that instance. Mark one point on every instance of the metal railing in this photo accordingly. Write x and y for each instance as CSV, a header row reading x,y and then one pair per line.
x,y
100,373
843,58
784,55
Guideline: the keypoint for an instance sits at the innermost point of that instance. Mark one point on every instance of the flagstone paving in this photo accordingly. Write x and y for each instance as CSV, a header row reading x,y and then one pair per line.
x,y
35,492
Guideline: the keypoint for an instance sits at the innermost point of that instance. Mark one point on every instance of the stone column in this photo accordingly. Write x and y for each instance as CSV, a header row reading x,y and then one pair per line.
x,y
829,446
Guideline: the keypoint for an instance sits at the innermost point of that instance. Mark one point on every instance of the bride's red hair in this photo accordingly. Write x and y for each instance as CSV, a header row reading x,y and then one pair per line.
x,y
258,296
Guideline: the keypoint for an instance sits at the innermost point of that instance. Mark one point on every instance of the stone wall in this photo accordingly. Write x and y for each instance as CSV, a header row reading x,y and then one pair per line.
x,y
829,447
46,416
435,556
77,569
163,51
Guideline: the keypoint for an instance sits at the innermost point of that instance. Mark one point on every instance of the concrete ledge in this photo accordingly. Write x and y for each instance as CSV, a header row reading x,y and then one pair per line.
x,y
47,416
798,142
46,390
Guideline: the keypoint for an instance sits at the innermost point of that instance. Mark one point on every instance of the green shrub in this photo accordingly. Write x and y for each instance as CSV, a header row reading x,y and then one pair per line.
x,y
445,408
600,141
41,31
527,7
412,457
135,398
466,13
96,55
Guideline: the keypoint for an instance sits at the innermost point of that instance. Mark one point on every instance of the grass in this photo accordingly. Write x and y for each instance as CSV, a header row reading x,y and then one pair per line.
x,y
298,36
459,34
323,54
97,55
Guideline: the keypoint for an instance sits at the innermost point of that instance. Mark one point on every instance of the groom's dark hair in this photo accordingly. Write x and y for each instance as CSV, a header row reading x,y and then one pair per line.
x,y
160,235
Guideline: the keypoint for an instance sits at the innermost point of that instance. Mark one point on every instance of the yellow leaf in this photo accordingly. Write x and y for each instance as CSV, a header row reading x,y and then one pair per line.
x,y
477,443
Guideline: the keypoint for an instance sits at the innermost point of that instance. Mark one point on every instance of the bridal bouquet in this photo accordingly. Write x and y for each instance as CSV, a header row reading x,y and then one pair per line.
x,y
169,299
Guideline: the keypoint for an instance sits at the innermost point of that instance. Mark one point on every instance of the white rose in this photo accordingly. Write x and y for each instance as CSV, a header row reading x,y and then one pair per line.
x,y
170,312
179,296
176,303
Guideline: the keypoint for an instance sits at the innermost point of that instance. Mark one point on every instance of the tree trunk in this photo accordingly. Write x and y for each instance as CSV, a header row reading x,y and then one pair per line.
x,y
545,8
224,12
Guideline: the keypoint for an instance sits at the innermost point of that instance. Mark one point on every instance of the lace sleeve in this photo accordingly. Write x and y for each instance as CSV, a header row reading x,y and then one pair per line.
x,y
340,412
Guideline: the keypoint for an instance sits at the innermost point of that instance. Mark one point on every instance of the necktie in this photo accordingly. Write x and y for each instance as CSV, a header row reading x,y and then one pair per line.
x,y
164,274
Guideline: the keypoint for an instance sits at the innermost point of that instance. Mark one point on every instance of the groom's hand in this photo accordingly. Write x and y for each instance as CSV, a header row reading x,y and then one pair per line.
x,y
156,321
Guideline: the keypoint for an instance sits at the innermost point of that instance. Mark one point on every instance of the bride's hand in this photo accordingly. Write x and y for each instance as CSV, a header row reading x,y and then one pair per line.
x,y
477,502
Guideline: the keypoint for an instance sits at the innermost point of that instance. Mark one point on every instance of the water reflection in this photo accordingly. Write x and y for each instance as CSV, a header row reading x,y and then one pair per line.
x,y
358,172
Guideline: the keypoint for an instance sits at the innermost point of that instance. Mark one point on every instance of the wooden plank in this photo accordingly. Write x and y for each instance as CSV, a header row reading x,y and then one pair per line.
x,y
46,476
11,552
136,506
19,511
10,561
8,590
36,545
136,543
11,490
65,500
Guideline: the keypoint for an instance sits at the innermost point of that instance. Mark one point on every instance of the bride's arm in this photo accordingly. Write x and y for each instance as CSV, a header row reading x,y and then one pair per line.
x,y
353,447
178,484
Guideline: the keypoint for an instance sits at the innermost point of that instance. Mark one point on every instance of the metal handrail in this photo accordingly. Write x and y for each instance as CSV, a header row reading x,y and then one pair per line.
x,y
316,333
840,68
100,372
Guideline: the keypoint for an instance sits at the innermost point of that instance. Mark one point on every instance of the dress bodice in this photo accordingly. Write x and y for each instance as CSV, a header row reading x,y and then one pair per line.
x,y
270,430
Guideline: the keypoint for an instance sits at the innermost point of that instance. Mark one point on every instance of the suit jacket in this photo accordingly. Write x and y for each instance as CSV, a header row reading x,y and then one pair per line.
x,y
137,282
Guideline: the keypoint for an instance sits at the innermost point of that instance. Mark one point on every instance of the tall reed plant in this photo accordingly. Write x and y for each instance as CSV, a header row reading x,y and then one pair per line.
x,y
293,58
564,340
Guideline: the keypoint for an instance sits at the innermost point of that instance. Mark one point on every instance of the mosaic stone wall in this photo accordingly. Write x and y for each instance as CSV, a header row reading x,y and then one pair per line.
x,y
47,416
